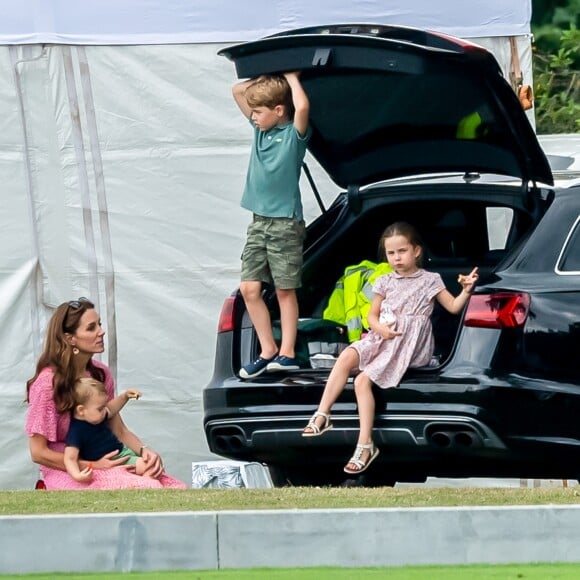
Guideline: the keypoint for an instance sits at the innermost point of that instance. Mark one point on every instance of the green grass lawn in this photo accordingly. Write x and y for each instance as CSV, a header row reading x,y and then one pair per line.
x,y
61,502
503,572
53,502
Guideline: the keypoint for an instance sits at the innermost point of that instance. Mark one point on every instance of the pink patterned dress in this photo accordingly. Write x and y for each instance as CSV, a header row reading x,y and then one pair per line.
x,y
43,419
410,301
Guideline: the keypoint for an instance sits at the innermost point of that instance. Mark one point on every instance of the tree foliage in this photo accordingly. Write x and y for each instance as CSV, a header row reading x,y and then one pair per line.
x,y
556,64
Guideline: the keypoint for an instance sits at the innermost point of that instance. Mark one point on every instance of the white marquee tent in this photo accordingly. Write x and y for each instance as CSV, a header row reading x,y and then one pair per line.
x,y
122,160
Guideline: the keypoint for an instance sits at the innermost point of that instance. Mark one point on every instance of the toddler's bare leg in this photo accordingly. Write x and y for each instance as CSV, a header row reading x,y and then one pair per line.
x,y
140,467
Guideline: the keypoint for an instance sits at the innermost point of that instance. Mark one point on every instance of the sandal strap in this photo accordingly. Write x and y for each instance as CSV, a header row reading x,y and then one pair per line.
x,y
359,450
312,423
321,414
359,463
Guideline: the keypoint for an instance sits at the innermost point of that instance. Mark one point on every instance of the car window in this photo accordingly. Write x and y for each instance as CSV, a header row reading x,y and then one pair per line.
x,y
569,262
450,239
473,232
560,162
499,222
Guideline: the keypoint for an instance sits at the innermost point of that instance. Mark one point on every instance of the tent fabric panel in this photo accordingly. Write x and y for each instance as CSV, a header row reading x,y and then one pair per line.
x,y
110,22
174,150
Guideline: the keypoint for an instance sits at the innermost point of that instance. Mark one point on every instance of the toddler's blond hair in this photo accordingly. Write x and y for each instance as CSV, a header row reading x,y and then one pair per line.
x,y
85,387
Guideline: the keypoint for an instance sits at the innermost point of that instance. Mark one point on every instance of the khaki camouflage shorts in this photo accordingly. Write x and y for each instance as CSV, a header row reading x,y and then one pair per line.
x,y
273,252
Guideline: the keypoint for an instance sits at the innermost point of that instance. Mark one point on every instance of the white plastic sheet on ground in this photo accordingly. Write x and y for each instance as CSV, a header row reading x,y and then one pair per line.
x,y
122,169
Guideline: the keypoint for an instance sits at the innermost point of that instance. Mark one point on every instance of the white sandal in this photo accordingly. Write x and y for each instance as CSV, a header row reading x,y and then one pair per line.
x,y
356,458
316,430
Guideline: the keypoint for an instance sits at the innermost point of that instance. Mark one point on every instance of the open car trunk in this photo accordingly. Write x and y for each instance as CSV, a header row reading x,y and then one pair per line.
x,y
392,103
389,101
463,225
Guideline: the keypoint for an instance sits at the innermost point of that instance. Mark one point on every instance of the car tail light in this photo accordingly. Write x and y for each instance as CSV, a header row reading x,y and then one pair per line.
x,y
226,321
500,310
465,44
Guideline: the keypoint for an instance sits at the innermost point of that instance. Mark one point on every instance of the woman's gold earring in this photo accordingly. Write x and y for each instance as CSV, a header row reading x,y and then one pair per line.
x,y
76,350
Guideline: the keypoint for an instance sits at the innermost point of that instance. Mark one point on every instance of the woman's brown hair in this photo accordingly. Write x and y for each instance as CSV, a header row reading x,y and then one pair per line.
x,y
58,354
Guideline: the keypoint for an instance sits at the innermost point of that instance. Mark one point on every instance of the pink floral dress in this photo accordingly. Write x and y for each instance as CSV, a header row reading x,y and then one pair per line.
x,y
410,301
43,419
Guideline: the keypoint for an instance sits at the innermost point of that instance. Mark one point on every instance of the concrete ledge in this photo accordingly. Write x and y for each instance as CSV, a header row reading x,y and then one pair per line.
x,y
289,538
108,543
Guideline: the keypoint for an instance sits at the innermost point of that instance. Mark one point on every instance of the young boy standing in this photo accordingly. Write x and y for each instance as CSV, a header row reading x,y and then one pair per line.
x,y
277,108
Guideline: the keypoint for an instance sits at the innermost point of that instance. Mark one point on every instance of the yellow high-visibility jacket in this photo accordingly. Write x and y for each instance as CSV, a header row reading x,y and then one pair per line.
x,y
350,301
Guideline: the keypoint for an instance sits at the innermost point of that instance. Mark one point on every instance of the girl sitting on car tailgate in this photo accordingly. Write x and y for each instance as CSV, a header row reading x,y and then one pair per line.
x,y
400,336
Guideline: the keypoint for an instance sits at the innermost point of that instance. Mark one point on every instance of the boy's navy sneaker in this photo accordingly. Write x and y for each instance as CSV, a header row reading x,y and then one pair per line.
x,y
256,367
283,363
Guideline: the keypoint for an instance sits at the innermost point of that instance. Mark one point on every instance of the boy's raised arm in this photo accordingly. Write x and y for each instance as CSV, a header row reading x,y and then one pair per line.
x,y
238,92
300,101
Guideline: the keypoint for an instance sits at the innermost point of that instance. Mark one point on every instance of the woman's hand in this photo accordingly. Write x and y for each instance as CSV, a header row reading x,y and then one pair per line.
x,y
153,463
107,461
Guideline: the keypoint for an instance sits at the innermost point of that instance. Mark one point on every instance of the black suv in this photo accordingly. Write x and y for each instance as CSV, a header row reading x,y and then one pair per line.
x,y
421,127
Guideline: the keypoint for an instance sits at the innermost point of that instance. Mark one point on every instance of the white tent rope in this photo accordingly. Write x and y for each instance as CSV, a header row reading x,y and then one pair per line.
x,y
83,180
37,282
109,274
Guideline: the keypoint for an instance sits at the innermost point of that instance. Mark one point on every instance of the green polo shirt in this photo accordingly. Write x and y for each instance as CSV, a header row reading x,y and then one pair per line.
x,y
272,183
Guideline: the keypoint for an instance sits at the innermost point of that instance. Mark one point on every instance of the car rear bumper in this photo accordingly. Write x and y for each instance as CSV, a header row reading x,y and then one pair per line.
x,y
263,420
460,425
398,429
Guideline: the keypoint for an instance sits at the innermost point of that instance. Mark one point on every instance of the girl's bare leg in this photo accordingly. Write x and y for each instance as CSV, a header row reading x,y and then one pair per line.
x,y
336,383
363,388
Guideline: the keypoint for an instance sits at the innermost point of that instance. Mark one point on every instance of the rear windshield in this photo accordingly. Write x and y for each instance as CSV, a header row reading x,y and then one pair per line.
x,y
405,107
374,125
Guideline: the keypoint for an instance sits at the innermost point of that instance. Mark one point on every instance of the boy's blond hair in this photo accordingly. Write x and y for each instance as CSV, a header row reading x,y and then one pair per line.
x,y
270,91
85,387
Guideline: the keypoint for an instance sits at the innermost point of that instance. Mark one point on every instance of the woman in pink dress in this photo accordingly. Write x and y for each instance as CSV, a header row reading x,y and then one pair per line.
x,y
73,336
400,336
